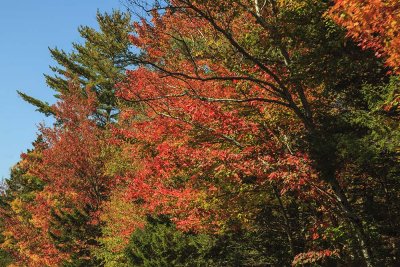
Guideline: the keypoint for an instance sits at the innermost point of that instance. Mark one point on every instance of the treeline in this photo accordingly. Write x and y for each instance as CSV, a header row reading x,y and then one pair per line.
x,y
216,133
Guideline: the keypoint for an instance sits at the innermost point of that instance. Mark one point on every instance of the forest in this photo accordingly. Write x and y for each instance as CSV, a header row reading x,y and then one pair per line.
x,y
216,133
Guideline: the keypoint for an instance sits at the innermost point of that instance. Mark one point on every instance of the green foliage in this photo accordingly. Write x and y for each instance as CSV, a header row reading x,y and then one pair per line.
x,y
161,244
373,144
42,107
22,184
99,63
250,248
119,219
74,233
5,259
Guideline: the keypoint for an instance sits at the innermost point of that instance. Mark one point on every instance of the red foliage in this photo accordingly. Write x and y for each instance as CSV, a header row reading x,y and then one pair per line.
x,y
192,149
71,168
313,257
24,237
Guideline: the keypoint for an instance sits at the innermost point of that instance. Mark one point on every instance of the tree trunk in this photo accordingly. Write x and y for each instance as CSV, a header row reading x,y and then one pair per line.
x,y
355,221
323,150
286,221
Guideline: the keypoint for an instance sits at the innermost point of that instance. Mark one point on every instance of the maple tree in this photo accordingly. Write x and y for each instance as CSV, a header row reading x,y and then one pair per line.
x,y
119,220
209,72
23,238
75,183
57,200
62,214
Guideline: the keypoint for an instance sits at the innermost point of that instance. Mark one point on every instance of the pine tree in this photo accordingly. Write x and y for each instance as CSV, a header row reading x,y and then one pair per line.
x,y
74,229
22,184
98,63
161,244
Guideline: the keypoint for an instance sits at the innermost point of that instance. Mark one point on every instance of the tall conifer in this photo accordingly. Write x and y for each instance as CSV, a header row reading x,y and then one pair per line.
x,y
99,62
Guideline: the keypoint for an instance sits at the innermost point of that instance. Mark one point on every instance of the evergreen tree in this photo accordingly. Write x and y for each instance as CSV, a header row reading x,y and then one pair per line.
x,y
21,183
99,63
74,229
161,244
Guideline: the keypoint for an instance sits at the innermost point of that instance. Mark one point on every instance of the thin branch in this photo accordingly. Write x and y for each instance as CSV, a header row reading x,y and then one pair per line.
x,y
153,98
215,78
235,44
227,137
260,99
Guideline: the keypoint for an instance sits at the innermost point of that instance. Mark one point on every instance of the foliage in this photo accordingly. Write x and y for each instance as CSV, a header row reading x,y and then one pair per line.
x,y
373,23
5,257
160,244
120,219
99,63
249,133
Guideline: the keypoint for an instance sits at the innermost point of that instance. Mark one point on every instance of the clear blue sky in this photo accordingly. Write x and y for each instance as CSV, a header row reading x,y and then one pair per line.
x,y
27,29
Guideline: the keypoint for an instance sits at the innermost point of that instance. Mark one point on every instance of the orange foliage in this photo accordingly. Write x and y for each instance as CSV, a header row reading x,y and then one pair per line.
x,y
373,23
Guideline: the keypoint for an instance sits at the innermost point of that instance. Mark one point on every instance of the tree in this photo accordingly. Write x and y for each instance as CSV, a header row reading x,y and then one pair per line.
x,y
99,63
76,185
23,239
58,223
55,202
249,133
160,244
71,229
5,257
209,65
119,220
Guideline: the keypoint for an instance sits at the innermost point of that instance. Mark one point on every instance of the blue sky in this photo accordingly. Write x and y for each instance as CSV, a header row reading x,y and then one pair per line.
x,y
27,29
